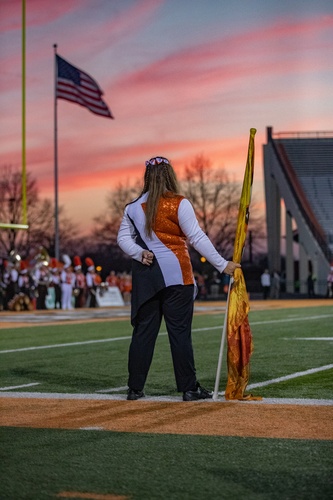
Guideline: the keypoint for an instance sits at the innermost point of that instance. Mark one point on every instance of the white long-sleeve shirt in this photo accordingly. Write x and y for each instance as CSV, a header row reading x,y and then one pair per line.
x,y
176,223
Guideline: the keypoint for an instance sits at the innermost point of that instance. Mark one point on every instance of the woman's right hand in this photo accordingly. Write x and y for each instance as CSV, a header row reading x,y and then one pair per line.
x,y
147,257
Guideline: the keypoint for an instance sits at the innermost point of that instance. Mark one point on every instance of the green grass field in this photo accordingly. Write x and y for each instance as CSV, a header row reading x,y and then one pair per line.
x,y
90,358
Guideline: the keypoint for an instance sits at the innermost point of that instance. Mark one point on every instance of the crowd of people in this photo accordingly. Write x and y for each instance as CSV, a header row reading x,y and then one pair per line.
x,y
271,284
50,283
66,285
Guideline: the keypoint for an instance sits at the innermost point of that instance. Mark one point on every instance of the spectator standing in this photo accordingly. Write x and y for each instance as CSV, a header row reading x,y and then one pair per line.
x,y
275,285
310,283
329,293
265,283
215,284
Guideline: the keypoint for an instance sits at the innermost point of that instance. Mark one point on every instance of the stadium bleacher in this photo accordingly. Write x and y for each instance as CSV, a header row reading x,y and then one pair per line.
x,y
298,169
312,162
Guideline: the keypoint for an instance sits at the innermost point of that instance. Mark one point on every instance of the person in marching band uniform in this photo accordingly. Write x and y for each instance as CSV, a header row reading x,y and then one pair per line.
x,y
125,286
55,282
10,279
24,280
92,281
112,279
67,283
80,283
42,280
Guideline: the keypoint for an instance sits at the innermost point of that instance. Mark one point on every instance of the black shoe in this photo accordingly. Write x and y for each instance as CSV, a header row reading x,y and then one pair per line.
x,y
199,393
132,395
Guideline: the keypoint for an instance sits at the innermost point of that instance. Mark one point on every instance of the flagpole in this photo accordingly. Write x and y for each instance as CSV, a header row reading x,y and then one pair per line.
x,y
56,210
24,180
242,223
224,331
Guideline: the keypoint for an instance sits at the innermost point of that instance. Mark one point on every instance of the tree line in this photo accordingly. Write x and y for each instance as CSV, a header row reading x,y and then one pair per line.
x,y
215,198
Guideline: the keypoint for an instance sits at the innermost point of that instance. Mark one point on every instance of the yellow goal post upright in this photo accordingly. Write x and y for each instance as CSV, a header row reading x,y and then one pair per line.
x,y
24,225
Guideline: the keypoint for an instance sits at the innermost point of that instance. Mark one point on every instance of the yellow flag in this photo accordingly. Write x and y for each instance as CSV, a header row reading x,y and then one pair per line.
x,y
239,337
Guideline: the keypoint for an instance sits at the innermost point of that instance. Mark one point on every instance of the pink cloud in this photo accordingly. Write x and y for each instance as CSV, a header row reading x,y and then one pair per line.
x,y
179,105
69,36
106,169
215,60
38,12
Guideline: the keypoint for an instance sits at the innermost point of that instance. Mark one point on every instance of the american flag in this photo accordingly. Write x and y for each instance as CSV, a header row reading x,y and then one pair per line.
x,y
76,86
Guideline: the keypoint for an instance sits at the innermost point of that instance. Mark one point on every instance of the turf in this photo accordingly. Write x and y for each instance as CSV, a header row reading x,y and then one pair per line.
x,y
162,466
40,463
278,351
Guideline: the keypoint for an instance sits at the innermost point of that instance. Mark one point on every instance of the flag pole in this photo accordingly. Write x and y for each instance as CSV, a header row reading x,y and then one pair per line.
x,y
224,331
56,210
242,222
24,177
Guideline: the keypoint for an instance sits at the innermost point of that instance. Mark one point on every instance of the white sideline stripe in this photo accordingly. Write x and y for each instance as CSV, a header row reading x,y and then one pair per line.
x,y
114,389
284,320
174,399
252,386
289,377
18,386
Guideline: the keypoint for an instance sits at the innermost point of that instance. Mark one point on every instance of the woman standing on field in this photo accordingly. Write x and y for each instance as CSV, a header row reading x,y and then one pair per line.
x,y
154,231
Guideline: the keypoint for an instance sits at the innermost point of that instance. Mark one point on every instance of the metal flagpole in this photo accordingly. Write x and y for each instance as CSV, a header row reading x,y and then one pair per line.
x,y
56,215
24,178
224,333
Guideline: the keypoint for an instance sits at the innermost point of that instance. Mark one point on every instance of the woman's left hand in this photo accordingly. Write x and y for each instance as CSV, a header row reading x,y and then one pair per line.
x,y
231,266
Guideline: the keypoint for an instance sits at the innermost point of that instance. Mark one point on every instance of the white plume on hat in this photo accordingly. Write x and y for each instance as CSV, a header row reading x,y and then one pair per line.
x,y
67,261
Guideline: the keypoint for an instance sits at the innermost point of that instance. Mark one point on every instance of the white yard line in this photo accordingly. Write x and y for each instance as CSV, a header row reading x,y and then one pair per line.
x,y
288,320
309,338
18,386
85,342
69,344
289,377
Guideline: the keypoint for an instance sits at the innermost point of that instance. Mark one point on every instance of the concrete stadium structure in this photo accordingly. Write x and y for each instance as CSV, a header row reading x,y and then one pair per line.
x,y
298,169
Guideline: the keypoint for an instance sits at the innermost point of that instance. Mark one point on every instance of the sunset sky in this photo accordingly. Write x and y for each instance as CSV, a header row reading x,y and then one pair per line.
x,y
181,77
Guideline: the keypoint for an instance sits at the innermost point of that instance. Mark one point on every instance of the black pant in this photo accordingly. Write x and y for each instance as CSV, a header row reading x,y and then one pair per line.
x,y
41,298
175,303
266,290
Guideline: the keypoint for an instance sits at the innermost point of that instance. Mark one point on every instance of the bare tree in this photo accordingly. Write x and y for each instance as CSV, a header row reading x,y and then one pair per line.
x,y
107,224
215,200
214,197
40,214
